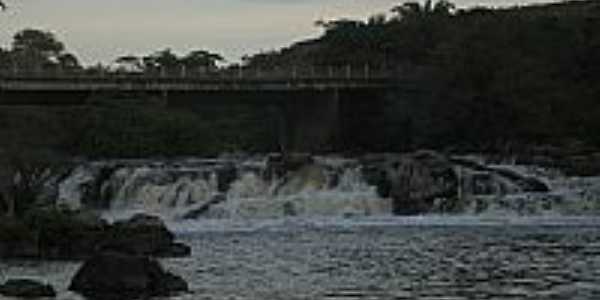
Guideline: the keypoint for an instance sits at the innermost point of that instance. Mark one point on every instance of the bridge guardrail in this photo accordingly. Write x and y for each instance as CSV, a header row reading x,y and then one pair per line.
x,y
292,73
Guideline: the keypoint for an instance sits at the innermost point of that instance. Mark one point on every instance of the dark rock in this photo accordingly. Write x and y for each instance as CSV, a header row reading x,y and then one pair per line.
x,y
280,165
143,235
526,183
16,240
172,283
296,161
60,235
533,184
414,181
51,234
226,175
66,235
377,176
26,288
175,250
204,208
120,276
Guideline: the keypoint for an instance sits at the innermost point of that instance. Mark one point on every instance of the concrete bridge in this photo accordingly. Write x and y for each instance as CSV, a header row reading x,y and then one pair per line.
x,y
250,80
310,103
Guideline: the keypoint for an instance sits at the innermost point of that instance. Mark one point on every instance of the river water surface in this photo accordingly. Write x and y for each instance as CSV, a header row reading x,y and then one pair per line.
x,y
376,258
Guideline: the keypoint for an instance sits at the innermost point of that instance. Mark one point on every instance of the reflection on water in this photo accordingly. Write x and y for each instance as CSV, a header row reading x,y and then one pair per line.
x,y
414,258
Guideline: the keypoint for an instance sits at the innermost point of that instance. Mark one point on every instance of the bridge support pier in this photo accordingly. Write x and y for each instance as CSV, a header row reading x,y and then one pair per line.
x,y
313,122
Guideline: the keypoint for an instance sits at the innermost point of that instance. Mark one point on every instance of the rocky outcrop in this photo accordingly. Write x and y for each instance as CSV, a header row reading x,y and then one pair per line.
x,y
119,276
16,240
75,236
418,182
431,182
50,234
66,235
26,288
143,235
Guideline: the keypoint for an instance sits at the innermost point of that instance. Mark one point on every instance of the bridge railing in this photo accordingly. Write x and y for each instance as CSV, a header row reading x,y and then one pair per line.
x,y
349,72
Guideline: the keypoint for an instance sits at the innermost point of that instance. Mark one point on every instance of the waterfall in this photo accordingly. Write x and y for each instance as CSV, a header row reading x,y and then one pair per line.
x,y
259,187
527,191
229,188
303,195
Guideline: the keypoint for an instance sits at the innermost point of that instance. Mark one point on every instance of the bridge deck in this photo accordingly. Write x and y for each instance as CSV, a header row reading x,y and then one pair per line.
x,y
244,79
136,83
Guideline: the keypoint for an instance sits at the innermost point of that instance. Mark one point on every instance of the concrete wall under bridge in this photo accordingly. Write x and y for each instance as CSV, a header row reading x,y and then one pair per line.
x,y
301,120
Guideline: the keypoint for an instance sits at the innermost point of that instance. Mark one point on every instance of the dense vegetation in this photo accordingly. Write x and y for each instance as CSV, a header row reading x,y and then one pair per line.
x,y
520,75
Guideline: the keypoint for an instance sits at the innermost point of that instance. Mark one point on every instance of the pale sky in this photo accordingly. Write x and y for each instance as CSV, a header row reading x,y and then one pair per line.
x,y
101,30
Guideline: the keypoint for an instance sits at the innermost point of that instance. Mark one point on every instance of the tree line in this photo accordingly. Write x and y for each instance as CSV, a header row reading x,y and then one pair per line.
x,y
40,51
517,75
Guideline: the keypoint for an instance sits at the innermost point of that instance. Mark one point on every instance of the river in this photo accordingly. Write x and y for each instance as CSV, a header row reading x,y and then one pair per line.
x,y
376,258
323,232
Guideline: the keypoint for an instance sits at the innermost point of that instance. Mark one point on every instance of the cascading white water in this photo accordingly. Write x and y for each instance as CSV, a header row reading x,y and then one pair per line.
x,y
497,195
252,197
328,186
146,189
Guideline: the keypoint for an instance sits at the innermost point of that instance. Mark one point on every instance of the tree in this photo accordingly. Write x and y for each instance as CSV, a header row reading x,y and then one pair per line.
x,y
33,40
30,148
33,50
444,8
415,11
339,26
68,62
25,172
129,63
201,59
164,61
5,59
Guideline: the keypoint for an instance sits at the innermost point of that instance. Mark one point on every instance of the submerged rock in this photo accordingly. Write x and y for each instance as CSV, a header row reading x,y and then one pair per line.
x,y
121,276
26,288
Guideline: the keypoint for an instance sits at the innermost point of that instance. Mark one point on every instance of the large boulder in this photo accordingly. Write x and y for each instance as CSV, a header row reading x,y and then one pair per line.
x,y
119,276
51,234
66,235
26,288
226,175
143,235
418,182
16,240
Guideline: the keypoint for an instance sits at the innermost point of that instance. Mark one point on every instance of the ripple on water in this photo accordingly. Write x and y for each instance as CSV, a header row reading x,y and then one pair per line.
x,y
368,259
